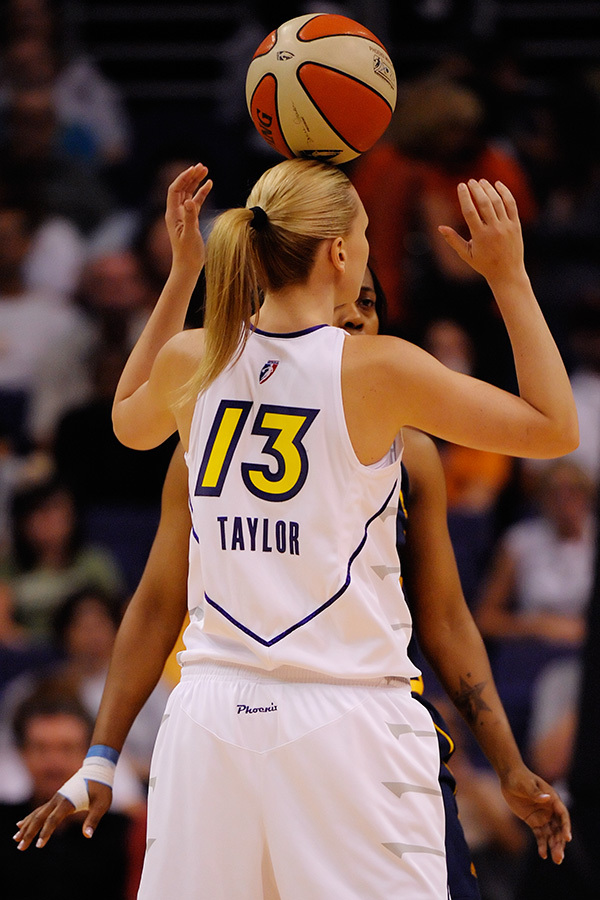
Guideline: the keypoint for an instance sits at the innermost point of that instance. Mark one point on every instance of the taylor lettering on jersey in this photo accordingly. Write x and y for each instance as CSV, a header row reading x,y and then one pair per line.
x,y
251,533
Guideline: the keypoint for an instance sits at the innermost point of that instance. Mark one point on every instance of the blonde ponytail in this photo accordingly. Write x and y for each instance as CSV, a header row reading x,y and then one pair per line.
x,y
231,294
304,202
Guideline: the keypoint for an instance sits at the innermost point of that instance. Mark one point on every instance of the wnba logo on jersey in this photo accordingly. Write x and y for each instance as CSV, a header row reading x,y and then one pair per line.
x,y
267,370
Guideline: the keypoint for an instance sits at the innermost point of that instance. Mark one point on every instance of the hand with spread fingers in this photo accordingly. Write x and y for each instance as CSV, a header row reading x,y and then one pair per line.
x,y
46,818
537,803
185,198
495,248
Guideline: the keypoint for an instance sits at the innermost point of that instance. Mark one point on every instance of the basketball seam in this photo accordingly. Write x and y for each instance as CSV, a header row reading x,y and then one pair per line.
x,y
271,48
323,37
318,108
274,77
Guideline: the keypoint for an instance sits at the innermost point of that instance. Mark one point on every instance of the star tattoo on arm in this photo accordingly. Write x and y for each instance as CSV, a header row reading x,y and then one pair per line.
x,y
469,701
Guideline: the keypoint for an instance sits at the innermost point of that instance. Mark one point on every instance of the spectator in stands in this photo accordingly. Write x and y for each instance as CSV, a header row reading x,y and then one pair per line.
x,y
53,734
30,322
84,631
85,627
436,139
37,170
117,489
88,106
113,300
534,603
584,334
554,721
49,557
583,321
83,634
19,652
474,478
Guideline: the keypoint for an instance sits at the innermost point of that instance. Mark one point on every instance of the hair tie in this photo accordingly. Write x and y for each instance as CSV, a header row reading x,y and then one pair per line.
x,y
260,219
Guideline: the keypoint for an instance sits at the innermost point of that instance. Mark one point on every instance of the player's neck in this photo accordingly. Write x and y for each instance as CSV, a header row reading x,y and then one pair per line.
x,y
296,308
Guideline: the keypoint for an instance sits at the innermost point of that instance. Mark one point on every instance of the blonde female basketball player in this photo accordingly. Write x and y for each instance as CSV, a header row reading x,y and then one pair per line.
x,y
292,753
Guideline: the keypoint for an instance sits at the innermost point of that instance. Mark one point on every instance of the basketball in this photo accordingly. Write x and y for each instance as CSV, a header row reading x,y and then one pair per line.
x,y
321,86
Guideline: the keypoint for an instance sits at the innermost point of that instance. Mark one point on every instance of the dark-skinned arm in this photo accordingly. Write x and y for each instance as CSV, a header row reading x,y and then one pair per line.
x,y
146,636
454,648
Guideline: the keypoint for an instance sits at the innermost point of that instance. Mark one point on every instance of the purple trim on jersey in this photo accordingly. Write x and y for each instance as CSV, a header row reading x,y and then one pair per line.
x,y
288,334
192,525
316,612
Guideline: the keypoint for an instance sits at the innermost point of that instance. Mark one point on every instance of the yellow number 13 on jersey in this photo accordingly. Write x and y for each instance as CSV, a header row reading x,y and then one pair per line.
x,y
284,428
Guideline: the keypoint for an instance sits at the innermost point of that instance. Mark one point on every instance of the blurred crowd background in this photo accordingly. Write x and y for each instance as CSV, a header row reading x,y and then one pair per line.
x,y
101,104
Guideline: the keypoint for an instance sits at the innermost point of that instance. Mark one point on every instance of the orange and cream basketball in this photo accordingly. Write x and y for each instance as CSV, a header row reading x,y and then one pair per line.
x,y
321,86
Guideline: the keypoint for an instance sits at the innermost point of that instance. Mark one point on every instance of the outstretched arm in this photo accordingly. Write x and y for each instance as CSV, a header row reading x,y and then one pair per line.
x,y
495,250
150,627
138,406
404,385
453,646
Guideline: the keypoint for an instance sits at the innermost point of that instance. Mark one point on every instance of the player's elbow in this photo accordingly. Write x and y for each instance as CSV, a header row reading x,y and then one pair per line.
x,y
136,429
121,428
572,435
572,441
565,438
125,430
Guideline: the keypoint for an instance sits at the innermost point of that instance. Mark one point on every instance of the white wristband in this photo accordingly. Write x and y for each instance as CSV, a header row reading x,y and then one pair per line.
x,y
99,765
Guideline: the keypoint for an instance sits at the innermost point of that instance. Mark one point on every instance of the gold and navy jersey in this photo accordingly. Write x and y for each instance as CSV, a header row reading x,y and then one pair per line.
x,y
293,556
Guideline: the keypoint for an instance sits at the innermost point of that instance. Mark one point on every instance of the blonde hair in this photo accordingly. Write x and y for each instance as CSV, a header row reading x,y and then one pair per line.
x,y
305,202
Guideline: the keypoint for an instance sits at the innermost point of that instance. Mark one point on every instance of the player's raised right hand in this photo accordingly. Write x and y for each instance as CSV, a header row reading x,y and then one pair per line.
x,y
495,248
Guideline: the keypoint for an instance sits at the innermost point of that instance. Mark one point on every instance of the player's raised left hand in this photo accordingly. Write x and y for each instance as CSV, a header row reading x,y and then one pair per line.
x,y
536,802
185,198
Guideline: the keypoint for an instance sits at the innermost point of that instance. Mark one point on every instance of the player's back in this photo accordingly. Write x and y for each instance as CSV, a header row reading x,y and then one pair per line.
x,y
287,523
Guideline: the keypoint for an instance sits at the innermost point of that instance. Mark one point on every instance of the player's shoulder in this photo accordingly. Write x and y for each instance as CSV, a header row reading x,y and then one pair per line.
x,y
187,343
383,351
179,357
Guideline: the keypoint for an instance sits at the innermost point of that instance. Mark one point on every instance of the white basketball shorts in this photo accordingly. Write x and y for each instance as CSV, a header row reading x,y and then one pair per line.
x,y
264,787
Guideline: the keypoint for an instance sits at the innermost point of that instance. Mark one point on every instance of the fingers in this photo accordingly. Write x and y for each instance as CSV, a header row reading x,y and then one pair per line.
x,y
554,834
557,850
454,240
485,208
495,199
482,202
193,205
44,820
60,812
469,210
100,800
542,842
510,204
489,203
187,181
203,192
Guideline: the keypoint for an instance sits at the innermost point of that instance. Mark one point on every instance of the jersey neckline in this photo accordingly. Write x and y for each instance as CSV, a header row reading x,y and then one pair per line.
x,y
287,334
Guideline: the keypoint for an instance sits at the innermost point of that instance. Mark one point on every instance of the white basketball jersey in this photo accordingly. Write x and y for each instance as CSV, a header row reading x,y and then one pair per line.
x,y
293,556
